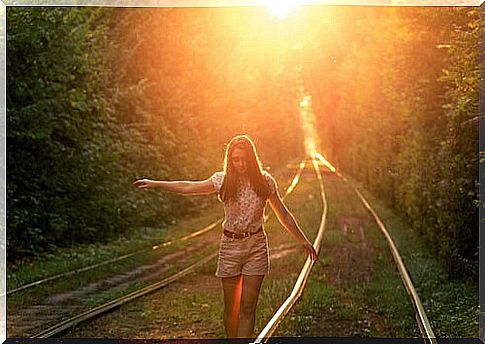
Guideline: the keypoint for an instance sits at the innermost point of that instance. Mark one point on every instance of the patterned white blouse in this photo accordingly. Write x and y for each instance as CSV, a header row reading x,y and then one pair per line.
x,y
245,213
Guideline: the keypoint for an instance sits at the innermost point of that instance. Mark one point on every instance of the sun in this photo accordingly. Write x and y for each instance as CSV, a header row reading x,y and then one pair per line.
x,y
281,8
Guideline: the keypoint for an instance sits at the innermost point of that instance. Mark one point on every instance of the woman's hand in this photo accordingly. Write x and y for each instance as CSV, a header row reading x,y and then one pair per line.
x,y
310,250
144,183
289,222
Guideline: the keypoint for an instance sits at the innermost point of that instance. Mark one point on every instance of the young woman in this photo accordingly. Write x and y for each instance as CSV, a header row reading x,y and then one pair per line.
x,y
243,255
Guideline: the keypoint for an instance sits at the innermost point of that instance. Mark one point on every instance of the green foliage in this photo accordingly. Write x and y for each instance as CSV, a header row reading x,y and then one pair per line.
x,y
402,117
54,119
98,97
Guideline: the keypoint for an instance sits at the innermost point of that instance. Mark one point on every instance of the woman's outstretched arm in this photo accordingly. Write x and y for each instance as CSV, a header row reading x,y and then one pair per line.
x,y
203,187
288,221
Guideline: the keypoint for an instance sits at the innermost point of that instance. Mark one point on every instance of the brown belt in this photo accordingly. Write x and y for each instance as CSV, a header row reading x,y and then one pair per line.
x,y
241,235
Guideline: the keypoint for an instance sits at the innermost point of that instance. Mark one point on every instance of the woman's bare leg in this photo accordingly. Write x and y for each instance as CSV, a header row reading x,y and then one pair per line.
x,y
249,299
232,287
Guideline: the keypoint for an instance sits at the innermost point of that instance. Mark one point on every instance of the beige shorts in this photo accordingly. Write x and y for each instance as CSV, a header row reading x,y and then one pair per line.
x,y
247,256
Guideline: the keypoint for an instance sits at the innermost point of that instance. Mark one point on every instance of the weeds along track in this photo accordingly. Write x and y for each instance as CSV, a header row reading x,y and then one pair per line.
x,y
48,319
420,314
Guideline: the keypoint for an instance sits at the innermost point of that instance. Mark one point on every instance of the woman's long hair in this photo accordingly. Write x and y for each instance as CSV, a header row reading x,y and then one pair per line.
x,y
229,186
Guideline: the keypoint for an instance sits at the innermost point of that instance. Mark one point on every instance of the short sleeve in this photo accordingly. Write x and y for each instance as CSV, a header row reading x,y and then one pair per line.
x,y
217,179
271,183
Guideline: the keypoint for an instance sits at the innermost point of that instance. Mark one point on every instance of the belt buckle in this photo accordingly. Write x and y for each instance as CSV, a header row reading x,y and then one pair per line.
x,y
247,234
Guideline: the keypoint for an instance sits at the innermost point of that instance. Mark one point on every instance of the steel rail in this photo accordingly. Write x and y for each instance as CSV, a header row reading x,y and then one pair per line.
x,y
300,283
113,260
64,325
99,310
421,317
296,178
204,230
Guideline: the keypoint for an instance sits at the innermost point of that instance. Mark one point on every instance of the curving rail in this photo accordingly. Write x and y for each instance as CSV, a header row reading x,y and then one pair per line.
x,y
421,317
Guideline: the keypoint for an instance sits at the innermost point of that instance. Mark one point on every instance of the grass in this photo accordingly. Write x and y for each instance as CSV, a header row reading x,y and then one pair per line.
x,y
284,271
30,296
111,294
378,306
66,259
451,306
325,309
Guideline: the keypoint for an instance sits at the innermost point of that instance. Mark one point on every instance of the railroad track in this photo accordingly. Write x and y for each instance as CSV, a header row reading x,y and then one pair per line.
x,y
299,285
108,306
421,318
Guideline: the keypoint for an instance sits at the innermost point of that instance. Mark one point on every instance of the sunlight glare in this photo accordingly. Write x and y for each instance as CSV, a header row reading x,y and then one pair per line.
x,y
281,8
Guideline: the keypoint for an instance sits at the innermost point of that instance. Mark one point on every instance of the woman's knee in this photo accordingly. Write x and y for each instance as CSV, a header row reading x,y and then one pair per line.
x,y
247,309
